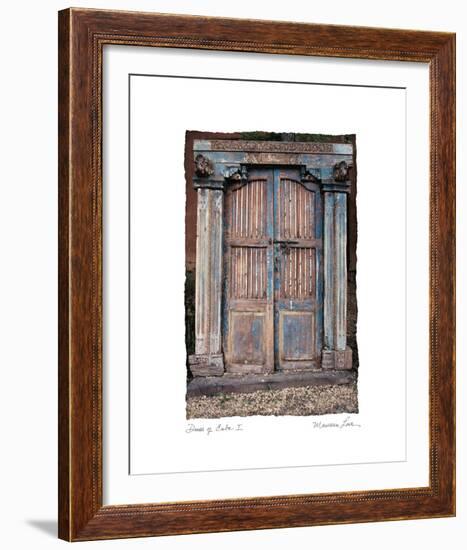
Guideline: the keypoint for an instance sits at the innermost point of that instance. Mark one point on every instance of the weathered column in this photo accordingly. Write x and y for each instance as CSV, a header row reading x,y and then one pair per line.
x,y
208,358
336,354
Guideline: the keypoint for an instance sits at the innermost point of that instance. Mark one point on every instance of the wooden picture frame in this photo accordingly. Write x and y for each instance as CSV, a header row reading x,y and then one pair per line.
x,y
82,36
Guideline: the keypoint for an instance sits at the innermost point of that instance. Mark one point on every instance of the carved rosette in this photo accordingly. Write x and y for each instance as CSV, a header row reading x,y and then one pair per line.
x,y
341,171
203,166
340,180
205,174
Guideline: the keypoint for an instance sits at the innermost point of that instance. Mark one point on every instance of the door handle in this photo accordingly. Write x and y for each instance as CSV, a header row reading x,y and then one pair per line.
x,y
285,245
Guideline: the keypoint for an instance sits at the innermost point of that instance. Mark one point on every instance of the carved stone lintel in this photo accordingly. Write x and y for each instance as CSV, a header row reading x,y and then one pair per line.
x,y
272,146
337,359
341,171
203,166
206,365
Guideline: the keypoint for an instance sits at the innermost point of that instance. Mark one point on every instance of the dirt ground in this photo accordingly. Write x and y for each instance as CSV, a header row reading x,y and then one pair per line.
x,y
304,401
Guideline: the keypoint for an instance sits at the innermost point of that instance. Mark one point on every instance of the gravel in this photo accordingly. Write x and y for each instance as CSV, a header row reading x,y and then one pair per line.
x,y
302,401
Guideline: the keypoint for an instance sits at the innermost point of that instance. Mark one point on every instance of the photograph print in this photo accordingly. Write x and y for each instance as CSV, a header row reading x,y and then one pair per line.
x,y
270,288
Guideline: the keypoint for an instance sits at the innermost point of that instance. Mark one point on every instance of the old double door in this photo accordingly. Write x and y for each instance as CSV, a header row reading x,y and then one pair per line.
x,y
272,306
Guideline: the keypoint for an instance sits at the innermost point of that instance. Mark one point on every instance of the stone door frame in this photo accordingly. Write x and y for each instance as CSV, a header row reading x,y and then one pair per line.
x,y
220,162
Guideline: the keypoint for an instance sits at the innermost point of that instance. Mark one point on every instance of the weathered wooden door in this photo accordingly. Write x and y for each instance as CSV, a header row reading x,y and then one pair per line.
x,y
297,271
248,321
272,318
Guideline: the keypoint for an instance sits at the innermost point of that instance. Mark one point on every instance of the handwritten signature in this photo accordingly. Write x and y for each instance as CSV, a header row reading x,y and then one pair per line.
x,y
346,423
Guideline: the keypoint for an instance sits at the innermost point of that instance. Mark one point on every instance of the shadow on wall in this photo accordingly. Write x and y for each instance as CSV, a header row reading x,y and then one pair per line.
x,y
190,277
47,526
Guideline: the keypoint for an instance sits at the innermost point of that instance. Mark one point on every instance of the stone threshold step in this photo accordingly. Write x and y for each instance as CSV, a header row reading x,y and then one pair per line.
x,y
230,383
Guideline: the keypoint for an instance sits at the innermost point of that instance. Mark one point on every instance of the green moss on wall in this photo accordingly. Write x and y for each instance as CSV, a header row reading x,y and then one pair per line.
x,y
291,136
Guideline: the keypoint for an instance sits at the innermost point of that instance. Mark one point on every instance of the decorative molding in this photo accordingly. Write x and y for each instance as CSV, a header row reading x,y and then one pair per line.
x,y
208,183
331,186
270,146
237,173
308,176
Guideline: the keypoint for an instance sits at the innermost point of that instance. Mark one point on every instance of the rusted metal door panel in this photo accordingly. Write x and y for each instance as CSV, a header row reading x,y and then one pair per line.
x,y
272,265
297,274
248,267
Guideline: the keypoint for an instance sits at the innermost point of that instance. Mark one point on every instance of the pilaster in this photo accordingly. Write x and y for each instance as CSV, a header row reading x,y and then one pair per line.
x,y
336,354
